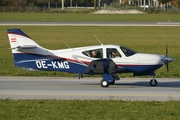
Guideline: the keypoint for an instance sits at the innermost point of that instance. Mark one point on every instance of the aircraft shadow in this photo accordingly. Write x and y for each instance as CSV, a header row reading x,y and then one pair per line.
x,y
143,84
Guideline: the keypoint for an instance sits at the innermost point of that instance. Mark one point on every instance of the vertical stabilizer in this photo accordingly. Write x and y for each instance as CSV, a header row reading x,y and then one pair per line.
x,y
23,47
18,39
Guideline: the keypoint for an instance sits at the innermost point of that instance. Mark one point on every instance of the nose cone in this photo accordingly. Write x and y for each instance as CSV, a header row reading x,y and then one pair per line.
x,y
168,59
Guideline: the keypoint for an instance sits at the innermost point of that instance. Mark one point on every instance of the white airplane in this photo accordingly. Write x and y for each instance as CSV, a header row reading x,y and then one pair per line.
x,y
107,60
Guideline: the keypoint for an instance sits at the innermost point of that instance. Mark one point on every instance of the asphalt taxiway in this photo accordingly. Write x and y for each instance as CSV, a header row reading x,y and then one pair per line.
x,y
18,23
88,88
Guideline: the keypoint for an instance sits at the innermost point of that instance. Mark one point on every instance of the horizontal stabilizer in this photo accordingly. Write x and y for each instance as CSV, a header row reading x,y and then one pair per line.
x,y
25,47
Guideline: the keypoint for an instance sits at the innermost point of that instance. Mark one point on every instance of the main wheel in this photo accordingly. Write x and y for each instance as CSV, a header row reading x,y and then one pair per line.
x,y
153,82
104,83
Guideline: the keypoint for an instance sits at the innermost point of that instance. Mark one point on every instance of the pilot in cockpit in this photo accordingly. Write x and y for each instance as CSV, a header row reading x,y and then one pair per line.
x,y
113,53
96,54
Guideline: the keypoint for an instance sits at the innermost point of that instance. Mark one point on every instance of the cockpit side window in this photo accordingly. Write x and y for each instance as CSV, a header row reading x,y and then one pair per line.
x,y
112,53
128,52
95,53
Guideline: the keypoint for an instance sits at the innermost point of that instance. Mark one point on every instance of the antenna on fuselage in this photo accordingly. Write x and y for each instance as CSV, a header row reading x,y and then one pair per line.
x,y
98,40
66,44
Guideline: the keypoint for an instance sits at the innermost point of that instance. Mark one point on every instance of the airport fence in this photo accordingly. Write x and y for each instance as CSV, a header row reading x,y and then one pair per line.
x,y
41,9
84,9
24,9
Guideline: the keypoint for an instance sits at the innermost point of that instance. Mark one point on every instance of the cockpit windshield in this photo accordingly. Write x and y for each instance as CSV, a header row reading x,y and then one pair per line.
x,y
127,52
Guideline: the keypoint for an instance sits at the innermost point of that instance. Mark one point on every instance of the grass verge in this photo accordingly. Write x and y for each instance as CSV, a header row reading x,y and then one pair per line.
x,y
80,17
88,109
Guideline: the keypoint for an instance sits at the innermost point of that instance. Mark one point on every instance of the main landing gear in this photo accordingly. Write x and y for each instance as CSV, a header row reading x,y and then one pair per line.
x,y
108,79
104,83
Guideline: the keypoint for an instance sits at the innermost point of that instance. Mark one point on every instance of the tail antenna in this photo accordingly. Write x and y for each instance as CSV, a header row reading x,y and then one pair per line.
x,y
98,40
66,44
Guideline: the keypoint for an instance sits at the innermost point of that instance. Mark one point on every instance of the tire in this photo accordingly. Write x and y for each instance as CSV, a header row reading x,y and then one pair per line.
x,y
153,82
104,83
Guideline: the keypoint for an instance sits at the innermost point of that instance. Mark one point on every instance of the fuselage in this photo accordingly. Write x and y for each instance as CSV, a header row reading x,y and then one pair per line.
x,y
76,60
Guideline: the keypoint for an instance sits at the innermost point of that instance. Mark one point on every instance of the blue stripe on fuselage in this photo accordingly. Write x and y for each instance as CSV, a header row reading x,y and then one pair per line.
x,y
48,63
140,68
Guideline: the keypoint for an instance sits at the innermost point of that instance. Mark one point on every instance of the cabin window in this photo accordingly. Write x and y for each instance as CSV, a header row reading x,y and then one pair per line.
x,y
127,52
112,53
95,53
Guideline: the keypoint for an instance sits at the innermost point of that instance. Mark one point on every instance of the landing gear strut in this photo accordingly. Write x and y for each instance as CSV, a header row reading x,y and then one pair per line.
x,y
153,82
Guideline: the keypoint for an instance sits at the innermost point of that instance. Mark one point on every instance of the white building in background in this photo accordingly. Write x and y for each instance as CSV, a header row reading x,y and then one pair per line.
x,y
152,3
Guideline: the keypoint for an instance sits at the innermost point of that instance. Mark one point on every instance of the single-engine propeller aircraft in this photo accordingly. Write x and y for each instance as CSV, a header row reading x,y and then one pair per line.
x,y
107,60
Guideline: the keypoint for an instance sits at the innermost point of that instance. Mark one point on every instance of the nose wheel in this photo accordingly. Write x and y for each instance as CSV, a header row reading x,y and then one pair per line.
x,y
153,82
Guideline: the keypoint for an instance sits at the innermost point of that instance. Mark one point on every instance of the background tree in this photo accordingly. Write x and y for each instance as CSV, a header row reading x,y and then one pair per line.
x,y
164,1
95,4
5,2
76,2
176,3
31,3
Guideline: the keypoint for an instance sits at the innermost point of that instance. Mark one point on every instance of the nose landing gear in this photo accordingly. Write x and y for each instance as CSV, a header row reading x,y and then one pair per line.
x,y
153,82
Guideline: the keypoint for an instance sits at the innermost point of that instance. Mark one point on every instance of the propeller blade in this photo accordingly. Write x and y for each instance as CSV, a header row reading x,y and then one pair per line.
x,y
167,66
166,49
166,61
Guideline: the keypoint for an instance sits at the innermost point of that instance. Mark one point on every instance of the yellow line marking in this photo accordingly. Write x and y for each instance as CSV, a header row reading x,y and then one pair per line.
x,y
100,95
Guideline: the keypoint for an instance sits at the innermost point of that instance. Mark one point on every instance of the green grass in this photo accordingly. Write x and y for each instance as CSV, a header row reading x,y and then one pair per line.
x,y
66,17
88,109
141,39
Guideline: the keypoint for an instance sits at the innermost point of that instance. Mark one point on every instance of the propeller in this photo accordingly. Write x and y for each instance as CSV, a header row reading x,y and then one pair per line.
x,y
167,59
